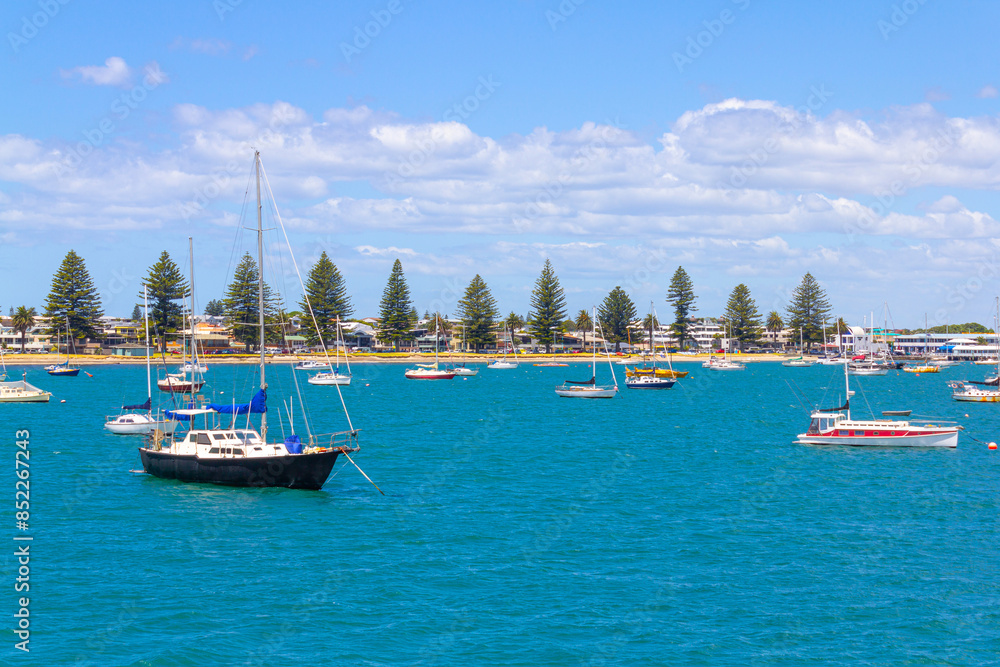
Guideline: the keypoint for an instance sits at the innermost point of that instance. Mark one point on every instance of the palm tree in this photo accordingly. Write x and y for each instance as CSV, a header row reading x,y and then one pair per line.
x,y
774,323
583,324
24,319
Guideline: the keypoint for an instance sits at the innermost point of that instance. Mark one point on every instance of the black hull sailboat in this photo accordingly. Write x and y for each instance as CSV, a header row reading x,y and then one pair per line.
x,y
242,456
295,471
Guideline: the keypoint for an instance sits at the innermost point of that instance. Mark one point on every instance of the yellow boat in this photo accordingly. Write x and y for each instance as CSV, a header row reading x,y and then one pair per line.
x,y
922,369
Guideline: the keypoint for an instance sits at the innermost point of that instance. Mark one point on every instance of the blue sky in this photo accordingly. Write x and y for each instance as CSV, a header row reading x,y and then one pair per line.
x,y
747,141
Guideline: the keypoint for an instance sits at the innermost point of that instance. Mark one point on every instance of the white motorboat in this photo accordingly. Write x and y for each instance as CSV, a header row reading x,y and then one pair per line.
x,y
866,368
312,365
836,427
21,392
189,367
987,391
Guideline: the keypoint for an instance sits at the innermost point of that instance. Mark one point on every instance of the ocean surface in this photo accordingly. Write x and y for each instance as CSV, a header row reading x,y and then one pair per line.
x,y
670,527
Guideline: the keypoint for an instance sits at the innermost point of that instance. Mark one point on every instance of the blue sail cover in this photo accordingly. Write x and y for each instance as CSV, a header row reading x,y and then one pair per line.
x,y
257,405
170,414
148,405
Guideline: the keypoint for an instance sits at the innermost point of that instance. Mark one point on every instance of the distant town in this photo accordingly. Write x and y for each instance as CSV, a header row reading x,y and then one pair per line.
x,y
124,337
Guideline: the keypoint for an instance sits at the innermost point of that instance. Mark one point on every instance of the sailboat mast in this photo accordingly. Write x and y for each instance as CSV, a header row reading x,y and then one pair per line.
x,y
194,348
593,363
260,292
145,318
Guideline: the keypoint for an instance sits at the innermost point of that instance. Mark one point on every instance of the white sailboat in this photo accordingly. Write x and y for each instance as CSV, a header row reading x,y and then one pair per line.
x,y
144,421
725,364
64,369
334,376
462,370
185,382
799,361
590,388
430,371
503,364
836,427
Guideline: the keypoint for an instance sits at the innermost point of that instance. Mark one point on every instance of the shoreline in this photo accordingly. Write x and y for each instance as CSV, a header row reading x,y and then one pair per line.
x,y
364,358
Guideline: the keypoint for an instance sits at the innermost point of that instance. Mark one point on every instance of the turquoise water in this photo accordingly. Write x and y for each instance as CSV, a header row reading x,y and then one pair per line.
x,y
680,526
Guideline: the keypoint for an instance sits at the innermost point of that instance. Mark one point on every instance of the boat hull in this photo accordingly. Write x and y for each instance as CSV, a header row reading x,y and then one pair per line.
x,y
328,379
179,386
64,372
600,392
119,426
30,397
940,439
501,365
294,471
646,382
434,375
465,372
977,397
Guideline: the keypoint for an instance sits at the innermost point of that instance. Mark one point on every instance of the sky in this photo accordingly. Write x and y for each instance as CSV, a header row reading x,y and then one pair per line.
x,y
747,141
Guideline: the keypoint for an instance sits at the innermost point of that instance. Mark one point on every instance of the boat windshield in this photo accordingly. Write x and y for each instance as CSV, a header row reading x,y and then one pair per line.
x,y
820,424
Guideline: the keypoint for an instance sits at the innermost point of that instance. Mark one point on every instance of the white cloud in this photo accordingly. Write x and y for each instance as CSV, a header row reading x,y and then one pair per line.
x,y
737,189
114,72
988,92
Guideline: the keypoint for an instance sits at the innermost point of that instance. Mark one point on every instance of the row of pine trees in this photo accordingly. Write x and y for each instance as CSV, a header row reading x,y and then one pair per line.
x,y
74,303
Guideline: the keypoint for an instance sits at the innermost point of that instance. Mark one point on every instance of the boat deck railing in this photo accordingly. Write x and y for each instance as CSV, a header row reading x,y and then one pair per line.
x,y
339,439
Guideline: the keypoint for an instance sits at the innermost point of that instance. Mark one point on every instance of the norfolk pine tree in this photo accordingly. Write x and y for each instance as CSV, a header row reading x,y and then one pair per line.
x,y
808,309
681,296
396,313
241,306
742,315
166,287
326,292
478,311
73,296
616,314
549,303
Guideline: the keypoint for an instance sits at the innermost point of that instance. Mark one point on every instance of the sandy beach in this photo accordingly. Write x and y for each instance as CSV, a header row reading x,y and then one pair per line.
x,y
17,359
